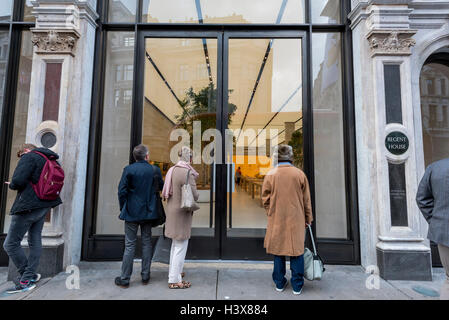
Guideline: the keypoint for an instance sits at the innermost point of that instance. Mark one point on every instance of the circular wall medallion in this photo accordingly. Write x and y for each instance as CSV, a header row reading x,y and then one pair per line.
x,y
48,139
397,143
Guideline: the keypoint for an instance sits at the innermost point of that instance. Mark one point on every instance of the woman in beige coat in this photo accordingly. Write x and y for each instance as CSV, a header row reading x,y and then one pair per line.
x,y
286,198
178,223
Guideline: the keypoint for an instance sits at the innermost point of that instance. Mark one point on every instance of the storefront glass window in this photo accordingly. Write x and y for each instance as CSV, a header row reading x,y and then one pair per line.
x,y
4,47
434,111
260,120
21,114
6,10
223,12
330,188
122,11
115,148
325,11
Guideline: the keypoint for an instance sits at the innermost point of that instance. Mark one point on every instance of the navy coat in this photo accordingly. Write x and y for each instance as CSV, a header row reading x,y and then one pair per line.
x,y
135,192
28,171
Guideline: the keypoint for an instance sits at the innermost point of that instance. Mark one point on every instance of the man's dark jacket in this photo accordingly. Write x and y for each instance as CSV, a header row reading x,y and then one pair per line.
x,y
433,201
135,192
28,171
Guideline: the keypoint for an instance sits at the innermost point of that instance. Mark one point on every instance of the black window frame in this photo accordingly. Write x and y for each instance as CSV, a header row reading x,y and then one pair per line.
x,y
341,251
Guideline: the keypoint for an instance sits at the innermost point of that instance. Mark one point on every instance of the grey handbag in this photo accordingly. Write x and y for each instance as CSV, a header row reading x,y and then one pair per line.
x,y
188,203
313,265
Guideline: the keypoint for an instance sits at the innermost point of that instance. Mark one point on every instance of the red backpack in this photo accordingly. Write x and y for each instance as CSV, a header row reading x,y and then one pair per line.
x,y
51,180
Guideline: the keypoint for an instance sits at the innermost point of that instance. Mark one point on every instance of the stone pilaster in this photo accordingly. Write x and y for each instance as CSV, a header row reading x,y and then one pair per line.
x,y
64,37
382,38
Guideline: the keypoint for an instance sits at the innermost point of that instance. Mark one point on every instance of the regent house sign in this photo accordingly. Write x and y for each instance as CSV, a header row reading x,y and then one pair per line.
x,y
397,143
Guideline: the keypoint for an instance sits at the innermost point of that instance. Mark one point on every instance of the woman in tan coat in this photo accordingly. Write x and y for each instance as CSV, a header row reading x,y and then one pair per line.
x,y
286,198
178,223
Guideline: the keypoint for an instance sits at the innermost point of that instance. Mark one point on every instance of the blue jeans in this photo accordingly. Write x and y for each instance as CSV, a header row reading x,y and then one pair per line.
x,y
296,267
21,223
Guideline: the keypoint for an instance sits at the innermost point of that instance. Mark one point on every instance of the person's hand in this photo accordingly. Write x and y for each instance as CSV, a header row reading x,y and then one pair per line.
x,y
7,182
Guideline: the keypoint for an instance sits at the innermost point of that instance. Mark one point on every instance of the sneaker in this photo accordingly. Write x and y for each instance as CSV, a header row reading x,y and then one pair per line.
x,y
36,278
145,281
297,292
22,287
121,283
283,288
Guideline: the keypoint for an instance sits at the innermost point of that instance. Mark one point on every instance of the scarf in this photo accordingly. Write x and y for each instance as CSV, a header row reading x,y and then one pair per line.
x,y
167,190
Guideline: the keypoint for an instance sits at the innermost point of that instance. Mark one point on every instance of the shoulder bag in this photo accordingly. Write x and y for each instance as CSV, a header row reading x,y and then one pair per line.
x,y
313,264
160,220
188,203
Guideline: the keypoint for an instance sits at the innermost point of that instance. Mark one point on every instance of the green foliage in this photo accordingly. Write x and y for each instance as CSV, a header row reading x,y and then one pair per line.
x,y
297,144
201,106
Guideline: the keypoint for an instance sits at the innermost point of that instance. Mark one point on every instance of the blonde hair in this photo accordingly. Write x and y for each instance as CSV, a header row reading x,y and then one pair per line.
x,y
185,153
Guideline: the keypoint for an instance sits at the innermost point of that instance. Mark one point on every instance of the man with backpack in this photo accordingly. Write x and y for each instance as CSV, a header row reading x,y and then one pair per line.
x,y
38,180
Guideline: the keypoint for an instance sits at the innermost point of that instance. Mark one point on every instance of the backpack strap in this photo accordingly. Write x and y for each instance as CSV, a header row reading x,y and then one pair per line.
x,y
41,154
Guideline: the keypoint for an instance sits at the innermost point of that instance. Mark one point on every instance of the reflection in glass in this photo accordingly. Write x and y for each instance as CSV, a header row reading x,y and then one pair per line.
x,y
325,11
122,11
265,81
6,10
116,134
180,89
221,12
4,46
434,83
21,114
27,15
330,203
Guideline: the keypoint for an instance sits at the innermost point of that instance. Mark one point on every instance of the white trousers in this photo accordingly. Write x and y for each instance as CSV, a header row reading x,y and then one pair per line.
x,y
177,257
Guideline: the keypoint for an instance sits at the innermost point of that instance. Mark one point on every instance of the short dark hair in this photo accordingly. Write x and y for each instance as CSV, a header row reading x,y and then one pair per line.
x,y
140,152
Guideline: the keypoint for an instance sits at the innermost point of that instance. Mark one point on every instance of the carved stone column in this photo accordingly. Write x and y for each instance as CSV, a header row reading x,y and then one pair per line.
x,y
392,230
59,115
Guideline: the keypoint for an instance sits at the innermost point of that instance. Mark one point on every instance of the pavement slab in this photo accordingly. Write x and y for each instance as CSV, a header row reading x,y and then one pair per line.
x,y
3,275
422,290
222,281
98,283
339,282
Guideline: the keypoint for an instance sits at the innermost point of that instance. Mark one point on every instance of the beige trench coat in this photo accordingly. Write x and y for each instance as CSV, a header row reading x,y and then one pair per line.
x,y
178,223
286,198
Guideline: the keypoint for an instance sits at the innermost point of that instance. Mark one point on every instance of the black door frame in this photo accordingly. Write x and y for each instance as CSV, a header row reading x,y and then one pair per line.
x,y
334,251
110,247
200,247
251,248
220,246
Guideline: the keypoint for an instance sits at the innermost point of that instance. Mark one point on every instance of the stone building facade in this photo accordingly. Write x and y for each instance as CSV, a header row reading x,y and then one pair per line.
x,y
374,83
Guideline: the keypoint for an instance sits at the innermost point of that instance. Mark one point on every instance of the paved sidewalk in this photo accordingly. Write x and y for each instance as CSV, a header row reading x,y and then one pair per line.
x,y
222,280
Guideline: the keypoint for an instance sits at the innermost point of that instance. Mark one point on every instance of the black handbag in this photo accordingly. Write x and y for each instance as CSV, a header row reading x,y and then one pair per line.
x,y
159,206
162,249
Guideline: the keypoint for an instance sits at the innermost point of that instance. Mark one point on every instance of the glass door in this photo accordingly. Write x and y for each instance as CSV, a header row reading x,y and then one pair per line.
x,y
264,104
246,93
181,102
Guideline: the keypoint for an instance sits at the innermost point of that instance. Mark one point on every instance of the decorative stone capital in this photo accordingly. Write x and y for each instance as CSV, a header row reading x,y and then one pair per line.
x,y
55,41
391,42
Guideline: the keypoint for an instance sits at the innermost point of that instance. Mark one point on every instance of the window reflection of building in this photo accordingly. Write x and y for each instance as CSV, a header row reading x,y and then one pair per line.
x,y
328,137
434,111
4,43
20,112
116,127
